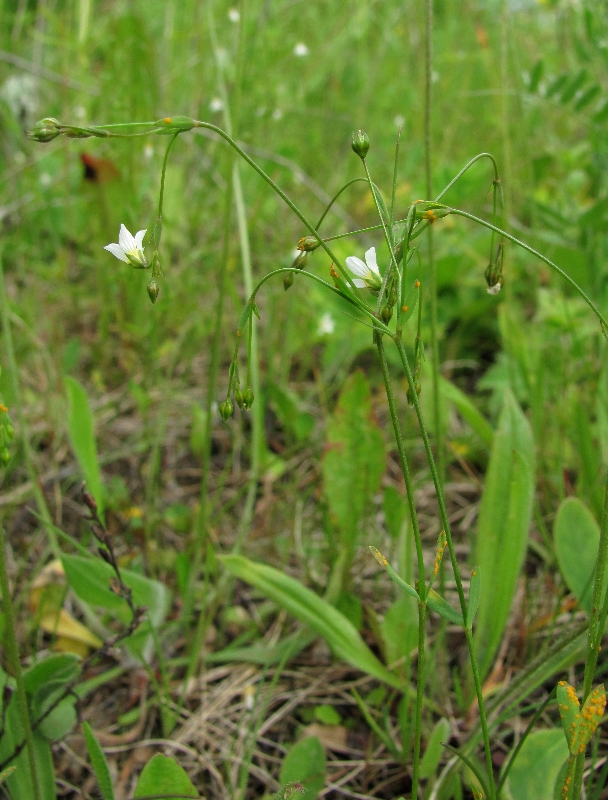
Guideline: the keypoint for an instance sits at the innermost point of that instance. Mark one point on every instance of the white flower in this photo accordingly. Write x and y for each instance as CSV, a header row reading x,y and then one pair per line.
x,y
216,104
367,272
234,15
327,324
129,248
495,289
301,50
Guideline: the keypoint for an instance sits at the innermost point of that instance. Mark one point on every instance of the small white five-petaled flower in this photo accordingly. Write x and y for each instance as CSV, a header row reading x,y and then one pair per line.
x,y
367,272
129,248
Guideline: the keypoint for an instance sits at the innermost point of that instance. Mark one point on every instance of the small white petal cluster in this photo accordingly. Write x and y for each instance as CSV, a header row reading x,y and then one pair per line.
x,y
495,289
129,248
367,272
234,15
301,50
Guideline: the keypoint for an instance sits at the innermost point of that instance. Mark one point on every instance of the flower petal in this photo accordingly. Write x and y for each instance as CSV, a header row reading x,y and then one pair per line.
x,y
126,240
370,260
139,239
357,267
359,283
117,251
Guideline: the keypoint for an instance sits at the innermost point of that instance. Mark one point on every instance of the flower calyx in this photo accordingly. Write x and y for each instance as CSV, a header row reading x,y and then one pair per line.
x,y
360,143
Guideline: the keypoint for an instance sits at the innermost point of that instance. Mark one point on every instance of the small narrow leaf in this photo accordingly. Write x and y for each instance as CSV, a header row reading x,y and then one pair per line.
x,y
444,609
98,760
396,578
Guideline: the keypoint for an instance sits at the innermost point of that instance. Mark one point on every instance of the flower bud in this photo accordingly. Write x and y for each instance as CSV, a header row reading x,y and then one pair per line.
x,y
10,432
360,143
386,314
288,281
240,398
153,290
45,130
248,397
308,244
5,456
226,409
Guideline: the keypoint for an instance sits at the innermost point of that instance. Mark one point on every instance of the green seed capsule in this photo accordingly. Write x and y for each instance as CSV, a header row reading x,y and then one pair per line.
x,y
226,409
248,397
360,143
153,290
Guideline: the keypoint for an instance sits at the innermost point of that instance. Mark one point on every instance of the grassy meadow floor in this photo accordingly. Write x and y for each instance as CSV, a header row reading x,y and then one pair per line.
x,y
525,81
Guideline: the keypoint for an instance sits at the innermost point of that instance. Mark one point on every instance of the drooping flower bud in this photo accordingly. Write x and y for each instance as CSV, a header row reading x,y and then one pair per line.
x,y
226,409
240,398
153,290
288,281
360,143
308,244
248,397
45,130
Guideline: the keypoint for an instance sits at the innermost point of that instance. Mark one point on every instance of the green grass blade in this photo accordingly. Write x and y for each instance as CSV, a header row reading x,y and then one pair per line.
x,y
98,760
504,520
312,610
82,437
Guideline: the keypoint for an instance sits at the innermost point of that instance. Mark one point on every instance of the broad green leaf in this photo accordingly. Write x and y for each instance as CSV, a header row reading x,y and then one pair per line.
x,y
577,537
468,411
62,667
536,769
504,521
163,775
305,764
61,719
395,511
82,437
355,458
90,579
400,629
434,748
100,765
312,610
287,406
19,782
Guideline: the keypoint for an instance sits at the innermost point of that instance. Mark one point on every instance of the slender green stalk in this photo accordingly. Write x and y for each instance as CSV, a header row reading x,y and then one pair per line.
x,y
596,630
25,442
12,647
428,163
446,527
548,262
420,673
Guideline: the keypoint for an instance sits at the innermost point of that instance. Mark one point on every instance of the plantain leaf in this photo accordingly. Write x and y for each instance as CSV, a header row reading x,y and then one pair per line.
x,y
82,437
502,532
312,610
537,767
354,460
577,537
305,764
468,411
162,775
